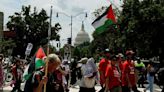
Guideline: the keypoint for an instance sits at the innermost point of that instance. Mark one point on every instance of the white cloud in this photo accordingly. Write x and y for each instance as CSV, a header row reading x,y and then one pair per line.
x,y
70,7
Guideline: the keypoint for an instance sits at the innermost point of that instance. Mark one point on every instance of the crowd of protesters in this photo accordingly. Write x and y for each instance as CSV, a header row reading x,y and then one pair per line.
x,y
114,73
123,75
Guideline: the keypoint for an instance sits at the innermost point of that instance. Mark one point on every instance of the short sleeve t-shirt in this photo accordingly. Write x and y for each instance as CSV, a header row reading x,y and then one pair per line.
x,y
102,68
128,69
114,76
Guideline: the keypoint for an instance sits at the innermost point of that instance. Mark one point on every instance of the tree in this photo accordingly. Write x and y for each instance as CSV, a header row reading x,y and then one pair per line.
x,y
99,11
145,24
6,47
82,50
31,27
76,52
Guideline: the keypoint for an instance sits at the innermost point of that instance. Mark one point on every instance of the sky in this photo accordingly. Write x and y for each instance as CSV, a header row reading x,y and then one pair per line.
x,y
68,7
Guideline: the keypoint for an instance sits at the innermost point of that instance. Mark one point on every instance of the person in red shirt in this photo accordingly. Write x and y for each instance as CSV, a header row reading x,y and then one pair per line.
x,y
129,74
113,81
102,68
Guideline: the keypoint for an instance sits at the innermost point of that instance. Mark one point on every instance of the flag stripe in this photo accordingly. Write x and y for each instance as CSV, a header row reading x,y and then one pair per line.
x,y
40,53
111,15
39,63
104,27
100,22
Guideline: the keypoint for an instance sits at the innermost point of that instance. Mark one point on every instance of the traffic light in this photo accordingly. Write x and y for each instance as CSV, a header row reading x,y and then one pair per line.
x,y
69,40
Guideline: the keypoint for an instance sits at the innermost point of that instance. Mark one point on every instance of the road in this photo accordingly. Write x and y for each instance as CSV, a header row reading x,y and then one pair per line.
x,y
76,88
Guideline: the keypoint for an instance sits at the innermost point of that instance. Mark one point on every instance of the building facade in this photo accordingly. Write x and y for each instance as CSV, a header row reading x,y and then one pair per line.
x,y
1,25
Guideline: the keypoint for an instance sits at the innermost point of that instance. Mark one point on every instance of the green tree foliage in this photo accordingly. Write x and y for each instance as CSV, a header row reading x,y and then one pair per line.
x,y
76,52
99,11
142,23
111,38
83,50
31,27
6,47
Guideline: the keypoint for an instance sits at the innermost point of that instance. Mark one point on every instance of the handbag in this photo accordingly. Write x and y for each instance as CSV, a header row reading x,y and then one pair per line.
x,y
89,82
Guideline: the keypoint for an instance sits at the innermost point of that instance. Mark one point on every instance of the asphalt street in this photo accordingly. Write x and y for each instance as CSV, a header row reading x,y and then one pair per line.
x,y
8,88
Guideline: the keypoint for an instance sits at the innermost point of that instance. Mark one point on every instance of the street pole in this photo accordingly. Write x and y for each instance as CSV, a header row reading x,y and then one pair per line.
x,y
59,44
71,29
71,40
49,35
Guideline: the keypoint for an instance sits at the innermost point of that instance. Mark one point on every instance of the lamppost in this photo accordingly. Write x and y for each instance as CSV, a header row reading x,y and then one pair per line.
x,y
71,16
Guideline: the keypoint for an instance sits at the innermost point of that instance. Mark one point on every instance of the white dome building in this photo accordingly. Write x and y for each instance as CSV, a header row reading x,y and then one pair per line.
x,y
82,36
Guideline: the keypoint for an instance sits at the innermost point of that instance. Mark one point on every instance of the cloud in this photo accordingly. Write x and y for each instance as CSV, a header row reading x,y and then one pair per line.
x,y
62,4
77,9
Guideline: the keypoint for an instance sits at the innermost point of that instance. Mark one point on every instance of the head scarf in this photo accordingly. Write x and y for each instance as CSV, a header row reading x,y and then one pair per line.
x,y
90,68
91,63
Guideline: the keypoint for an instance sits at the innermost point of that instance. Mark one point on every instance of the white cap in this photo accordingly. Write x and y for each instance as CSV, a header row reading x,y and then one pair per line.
x,y
120,54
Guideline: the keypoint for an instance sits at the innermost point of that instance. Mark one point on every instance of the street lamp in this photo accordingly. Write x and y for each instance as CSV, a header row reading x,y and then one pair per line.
x,y
71,16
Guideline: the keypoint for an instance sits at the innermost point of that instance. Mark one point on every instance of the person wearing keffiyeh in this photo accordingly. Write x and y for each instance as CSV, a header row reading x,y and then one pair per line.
x,y
89,74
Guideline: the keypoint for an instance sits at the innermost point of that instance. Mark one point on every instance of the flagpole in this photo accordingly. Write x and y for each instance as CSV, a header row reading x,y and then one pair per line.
x,y
49,35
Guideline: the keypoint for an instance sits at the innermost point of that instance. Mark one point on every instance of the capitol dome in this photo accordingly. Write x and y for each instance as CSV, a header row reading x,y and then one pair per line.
x,y
82,36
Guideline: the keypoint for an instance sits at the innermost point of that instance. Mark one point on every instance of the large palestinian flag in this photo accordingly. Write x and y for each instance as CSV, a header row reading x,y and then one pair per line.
x,y
103,22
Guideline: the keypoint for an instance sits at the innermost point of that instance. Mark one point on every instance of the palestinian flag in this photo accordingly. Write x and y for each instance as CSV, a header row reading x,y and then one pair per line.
x,y
103,22
39,62
40,56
